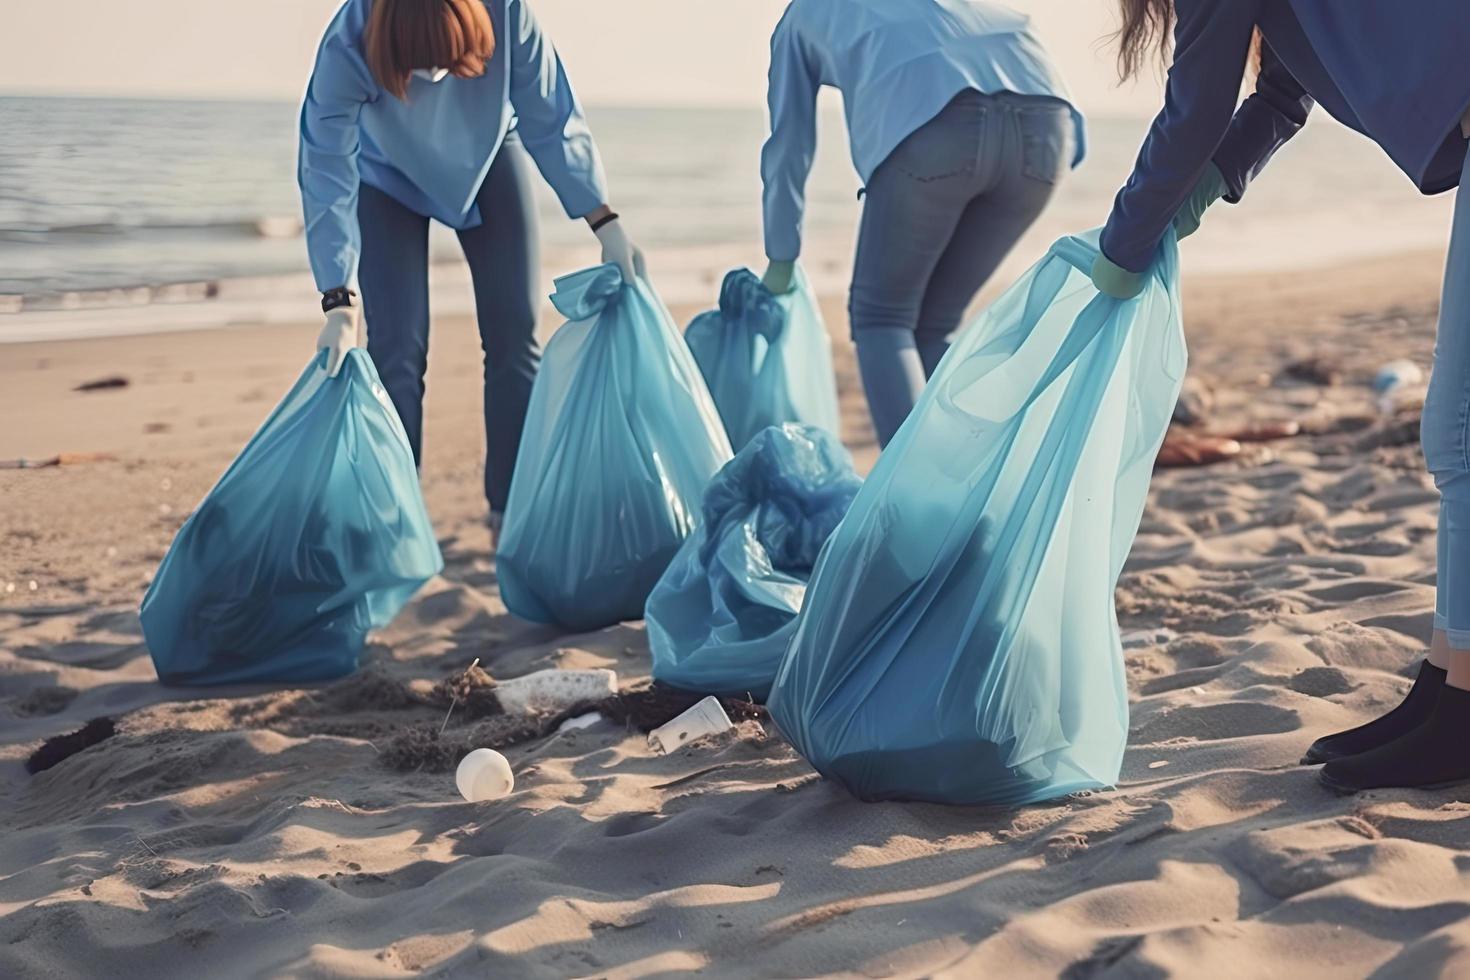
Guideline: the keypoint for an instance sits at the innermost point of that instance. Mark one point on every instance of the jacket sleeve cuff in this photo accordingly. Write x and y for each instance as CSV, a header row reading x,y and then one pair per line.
x,y
783,247
1273,114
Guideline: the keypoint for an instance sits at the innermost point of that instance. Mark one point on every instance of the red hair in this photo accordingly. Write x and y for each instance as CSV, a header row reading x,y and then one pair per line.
x,y
403,35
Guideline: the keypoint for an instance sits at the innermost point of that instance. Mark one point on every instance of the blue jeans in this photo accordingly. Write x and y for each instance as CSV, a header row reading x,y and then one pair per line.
x,y
393,277
941,213
1446,430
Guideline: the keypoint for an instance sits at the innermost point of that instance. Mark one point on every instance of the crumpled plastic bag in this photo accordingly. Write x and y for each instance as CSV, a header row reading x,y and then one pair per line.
x,y
959,642
621,439
315,535
721,616
767,359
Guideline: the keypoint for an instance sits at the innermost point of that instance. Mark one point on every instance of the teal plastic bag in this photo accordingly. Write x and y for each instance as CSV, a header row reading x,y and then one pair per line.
x,y
721,616
767,359
959,642
315,535
621,439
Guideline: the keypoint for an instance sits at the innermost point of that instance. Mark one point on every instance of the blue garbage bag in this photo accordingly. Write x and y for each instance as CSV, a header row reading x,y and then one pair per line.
x,y
767,358
959,642
315,535
721,616
621,439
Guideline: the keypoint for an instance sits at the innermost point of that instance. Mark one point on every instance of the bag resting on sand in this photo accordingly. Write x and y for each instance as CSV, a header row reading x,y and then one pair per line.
x,y
621,439
721,616
316,534
767,358
959,642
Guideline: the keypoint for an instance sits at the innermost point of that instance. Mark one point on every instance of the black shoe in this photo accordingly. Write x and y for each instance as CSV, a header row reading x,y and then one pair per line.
x,y
1412,713
1432,756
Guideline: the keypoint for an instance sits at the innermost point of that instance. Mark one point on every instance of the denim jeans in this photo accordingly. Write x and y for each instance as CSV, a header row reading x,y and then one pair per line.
x,y
393,277
941,213
1446,430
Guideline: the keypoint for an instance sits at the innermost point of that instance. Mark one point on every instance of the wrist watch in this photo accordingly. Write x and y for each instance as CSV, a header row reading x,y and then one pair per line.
x,y
333,298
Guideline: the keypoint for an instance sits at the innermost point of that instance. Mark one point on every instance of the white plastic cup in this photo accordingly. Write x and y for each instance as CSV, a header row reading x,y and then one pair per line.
x,y
1398,384
484,775
1397,373
705,718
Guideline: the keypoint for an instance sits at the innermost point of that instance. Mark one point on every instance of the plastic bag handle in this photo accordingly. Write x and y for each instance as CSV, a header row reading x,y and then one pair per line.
x,y
584,294
1076,253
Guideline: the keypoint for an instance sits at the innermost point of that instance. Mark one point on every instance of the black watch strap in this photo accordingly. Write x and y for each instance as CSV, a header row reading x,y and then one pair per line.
x,y
333,298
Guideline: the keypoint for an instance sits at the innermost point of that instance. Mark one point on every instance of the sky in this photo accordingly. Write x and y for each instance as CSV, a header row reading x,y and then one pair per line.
x,y
619,52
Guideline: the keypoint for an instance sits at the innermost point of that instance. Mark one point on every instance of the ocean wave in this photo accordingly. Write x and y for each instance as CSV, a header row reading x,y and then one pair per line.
x,y
267,226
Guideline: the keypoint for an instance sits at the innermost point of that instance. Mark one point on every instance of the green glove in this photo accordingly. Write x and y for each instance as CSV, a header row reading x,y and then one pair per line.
x,y
1113,280
779,276
1209,189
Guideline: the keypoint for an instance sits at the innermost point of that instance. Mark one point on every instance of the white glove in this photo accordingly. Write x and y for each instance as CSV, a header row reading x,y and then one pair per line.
x,y
618,249
339,335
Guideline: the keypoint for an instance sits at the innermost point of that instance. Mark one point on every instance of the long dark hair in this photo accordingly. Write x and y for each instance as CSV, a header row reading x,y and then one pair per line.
x,y
1147,32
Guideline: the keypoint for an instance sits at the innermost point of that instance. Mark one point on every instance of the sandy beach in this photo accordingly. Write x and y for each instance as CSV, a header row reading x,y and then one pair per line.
x,y
264,833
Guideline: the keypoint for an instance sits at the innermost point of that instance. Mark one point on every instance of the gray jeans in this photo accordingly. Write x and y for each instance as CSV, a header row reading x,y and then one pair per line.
x,y
941,213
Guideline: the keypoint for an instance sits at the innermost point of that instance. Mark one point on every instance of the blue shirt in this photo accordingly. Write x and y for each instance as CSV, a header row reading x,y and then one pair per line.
x,y
897,64
1399,73
432,151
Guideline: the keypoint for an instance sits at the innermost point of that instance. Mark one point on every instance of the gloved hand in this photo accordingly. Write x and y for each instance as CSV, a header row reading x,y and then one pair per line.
x,y
339,335
618,249
779,276
1113,280
1207,190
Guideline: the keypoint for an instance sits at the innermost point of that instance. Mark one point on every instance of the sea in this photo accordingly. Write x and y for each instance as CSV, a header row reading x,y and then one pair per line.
x,y
133,215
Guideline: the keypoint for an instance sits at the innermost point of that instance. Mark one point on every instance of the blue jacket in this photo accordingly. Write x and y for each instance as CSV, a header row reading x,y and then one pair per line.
x,y
1399,73
897,64
432,151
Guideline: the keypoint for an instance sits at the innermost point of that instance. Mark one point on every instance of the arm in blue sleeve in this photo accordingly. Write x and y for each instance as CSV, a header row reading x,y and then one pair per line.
x,y
786,159
1212,42
550,121
1272,115
326,167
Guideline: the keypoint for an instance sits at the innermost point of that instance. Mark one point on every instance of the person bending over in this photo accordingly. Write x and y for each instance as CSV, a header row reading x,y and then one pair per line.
x,y
421,110
1400,75
960,128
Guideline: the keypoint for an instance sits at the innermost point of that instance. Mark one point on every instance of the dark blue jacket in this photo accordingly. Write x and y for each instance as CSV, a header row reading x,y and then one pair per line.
x,y
1399,73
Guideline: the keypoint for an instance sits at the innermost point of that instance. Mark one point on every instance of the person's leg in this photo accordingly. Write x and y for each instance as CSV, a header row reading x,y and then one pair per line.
x,y
1436,747
393,279
913,202
1030,144
503,253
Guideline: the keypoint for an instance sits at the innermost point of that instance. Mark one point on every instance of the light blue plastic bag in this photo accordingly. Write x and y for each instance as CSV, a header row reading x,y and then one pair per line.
x,y
959,642
721,616
621,439
316,534
767,358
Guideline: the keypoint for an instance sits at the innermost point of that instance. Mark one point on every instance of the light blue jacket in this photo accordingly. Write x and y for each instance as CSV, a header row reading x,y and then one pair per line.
x,y
432,151
897,64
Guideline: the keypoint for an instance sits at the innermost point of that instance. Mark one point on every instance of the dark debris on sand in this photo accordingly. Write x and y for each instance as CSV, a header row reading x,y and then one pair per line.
x,y
55,751
647,708
472,691
424,729
428,748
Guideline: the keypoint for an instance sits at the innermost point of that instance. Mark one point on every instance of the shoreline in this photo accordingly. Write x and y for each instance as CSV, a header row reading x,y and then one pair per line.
x,y
42,371
686,277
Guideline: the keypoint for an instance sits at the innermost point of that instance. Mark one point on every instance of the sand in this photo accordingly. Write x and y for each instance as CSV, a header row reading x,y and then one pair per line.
x,y
264,832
